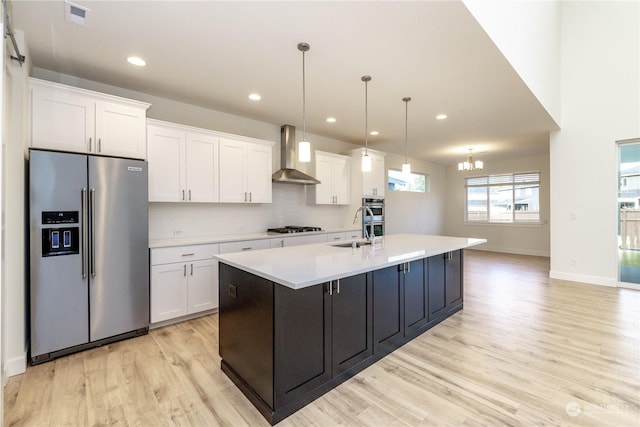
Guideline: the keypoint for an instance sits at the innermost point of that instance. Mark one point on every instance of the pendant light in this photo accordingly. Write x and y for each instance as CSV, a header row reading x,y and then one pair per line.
x,y
304,147
366,159
406,167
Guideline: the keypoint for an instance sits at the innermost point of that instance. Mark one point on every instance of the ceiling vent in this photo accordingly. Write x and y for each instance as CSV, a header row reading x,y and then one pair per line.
x,y
76,13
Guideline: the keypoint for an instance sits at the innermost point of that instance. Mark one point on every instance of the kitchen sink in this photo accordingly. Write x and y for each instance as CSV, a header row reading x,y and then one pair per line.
x,y
350,244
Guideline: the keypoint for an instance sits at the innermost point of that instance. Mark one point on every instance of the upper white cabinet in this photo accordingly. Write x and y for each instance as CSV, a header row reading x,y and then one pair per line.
x,y
373,181
66,118
334,173
183,164
245,171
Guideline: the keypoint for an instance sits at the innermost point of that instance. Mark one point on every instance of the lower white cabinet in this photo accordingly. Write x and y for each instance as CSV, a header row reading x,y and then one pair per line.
x,y
184,280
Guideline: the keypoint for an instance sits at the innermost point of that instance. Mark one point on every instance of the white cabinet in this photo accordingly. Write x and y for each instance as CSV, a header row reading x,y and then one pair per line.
x,y
66,118
184,280
374,181
245,172
305,240
334,173
244,245
183,164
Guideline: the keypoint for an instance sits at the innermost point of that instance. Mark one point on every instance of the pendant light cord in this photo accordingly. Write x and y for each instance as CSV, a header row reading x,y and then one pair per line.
x,y
304,102
366,79
406,126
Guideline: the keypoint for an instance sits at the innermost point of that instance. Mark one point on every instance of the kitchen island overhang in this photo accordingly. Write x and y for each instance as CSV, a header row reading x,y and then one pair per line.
x,y
296,322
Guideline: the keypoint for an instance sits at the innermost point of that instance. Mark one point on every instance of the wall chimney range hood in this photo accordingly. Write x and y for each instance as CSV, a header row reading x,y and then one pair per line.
x,y
288,172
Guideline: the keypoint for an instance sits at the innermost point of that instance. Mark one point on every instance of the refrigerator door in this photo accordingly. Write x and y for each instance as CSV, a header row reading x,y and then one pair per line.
x,y
58,291
119,260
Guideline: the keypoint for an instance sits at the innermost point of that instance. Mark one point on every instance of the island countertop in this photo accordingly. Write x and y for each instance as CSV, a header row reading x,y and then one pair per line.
x,y
298,267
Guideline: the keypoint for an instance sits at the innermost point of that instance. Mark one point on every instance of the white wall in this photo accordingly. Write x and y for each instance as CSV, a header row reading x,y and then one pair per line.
x,y
407,212
14,295
519,239
3,377
600,105
528,35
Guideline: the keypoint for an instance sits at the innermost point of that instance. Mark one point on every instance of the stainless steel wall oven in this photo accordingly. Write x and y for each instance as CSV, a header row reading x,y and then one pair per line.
x,y
377,208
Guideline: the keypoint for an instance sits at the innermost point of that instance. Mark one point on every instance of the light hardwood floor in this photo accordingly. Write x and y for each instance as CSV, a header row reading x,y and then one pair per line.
x,y
526,350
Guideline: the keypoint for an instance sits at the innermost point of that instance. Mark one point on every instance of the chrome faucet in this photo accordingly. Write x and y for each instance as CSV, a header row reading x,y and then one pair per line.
x,y
371,235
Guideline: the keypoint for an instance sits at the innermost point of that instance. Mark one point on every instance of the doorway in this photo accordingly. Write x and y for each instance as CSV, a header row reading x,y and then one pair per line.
x,y
629,211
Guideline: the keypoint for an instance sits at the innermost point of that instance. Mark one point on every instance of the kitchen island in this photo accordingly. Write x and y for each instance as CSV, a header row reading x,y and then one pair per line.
x,y
296,322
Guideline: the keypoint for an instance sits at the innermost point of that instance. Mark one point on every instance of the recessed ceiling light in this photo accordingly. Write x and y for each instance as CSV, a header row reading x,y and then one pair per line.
x,y
255,97
374,133
137,61
331,119
441,116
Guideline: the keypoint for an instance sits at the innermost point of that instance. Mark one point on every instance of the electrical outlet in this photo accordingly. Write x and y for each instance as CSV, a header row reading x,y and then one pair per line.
x,y
573,262
177,232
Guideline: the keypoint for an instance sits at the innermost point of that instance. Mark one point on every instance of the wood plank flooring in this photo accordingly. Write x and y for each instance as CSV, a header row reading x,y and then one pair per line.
x,y
526,350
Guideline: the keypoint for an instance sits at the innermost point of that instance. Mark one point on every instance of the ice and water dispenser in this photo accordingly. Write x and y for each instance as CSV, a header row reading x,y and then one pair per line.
x,y
62,238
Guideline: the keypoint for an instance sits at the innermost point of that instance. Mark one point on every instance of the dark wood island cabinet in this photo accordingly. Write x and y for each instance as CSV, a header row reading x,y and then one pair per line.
x,y
284,347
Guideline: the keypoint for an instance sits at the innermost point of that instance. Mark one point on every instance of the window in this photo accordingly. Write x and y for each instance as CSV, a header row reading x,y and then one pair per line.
x,y
503,199
398,181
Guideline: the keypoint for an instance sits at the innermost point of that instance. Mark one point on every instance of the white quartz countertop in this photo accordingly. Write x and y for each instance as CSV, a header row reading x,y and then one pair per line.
x,y
298,267
185,241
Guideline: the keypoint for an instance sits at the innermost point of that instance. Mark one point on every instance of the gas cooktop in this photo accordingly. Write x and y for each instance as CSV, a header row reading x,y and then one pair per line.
x,y
292,229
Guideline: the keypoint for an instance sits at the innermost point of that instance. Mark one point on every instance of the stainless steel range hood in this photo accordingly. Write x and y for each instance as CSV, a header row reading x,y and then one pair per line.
x,y
288,155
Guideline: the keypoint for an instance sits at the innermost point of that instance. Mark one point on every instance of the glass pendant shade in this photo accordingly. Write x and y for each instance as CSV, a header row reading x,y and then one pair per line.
x,y
406,169
304,151
366,163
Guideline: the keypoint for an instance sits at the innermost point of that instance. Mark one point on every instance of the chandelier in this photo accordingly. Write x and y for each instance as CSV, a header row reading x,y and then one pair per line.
x,y
470,164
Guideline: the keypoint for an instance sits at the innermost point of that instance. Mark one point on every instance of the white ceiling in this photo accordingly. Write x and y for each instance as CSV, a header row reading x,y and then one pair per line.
x,y
213,54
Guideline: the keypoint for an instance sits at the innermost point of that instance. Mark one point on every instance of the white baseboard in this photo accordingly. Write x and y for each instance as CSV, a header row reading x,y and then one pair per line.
x,y
516,251
15,366
584,278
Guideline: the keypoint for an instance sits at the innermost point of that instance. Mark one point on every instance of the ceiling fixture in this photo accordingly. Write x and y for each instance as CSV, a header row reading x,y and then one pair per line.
x,y
137,61
255,97
304,147
331,119
441,116
374,133
406,167
470,164
366,159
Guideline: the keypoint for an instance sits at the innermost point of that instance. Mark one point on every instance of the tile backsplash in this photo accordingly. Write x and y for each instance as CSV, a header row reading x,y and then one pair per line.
x,y
289,207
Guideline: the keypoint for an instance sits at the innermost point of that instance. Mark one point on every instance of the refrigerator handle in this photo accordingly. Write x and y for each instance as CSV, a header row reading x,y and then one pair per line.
x,y
83,193
92,246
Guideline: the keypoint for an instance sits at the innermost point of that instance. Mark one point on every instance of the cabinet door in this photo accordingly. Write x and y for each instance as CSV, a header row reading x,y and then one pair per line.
x,y
233,171
167,164
324,173
453,277
416,303
168,291
302,333
259,173
436,285
202,168
351,322
203,285
388,309
373,182
342,181
120,130
61,120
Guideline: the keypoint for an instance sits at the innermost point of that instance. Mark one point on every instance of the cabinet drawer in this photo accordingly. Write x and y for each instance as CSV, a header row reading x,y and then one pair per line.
x,y
305,240
352,235
332,237
183,253
245,245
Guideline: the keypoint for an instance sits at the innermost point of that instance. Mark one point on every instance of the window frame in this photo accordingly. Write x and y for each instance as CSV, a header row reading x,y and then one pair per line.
x,y
501,180
427,182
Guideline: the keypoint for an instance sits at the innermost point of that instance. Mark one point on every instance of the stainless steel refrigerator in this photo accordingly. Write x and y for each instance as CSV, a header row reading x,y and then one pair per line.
x,y
89,257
